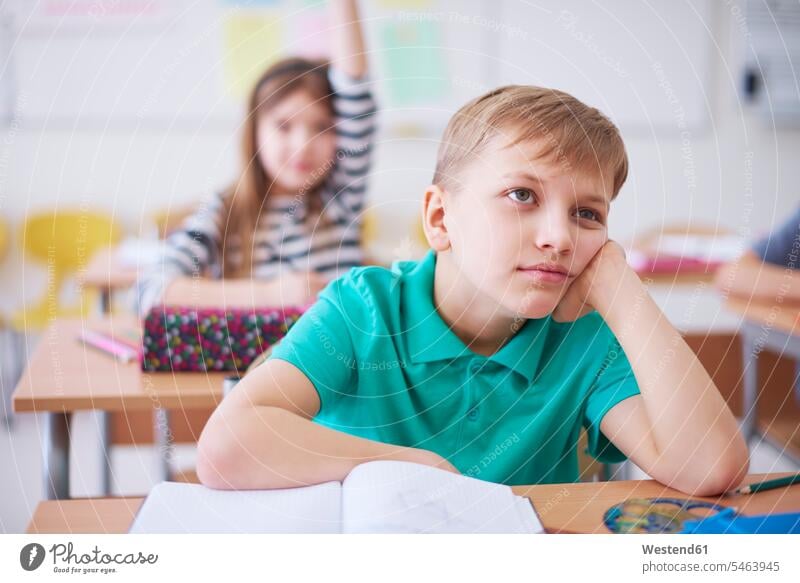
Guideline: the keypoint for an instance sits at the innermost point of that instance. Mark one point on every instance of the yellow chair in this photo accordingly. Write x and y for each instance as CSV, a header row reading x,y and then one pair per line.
x,y
169,219
3,238
63,242
419,234
369,228
3,252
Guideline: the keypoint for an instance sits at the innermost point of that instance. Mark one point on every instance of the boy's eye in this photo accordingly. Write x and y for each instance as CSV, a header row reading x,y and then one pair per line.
x,y
522,195
588,214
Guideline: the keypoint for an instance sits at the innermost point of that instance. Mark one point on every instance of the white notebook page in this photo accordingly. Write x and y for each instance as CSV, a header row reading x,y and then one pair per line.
x,y
400,497
191,508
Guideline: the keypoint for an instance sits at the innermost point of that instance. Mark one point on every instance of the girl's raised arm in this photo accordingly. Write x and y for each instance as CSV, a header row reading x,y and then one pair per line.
x,y
348,39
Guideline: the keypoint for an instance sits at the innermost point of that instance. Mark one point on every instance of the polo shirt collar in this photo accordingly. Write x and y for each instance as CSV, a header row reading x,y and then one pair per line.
x,y
430,339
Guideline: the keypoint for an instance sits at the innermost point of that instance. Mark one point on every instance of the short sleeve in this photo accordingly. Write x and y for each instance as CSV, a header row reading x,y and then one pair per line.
x,y
781,247
614,383
320,345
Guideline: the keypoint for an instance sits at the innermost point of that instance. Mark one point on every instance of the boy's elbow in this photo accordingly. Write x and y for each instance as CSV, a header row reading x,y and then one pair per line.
x,y
209,472
219,461
724,475
732,468
216,467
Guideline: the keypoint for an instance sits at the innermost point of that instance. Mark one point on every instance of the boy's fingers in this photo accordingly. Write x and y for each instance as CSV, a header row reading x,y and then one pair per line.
x,y
565,311
570,309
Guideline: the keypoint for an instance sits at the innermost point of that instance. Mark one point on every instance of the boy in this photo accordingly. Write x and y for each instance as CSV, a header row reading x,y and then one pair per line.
x,y
521,325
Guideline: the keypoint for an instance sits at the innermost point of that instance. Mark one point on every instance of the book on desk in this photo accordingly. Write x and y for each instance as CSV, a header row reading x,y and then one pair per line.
x,y
376,497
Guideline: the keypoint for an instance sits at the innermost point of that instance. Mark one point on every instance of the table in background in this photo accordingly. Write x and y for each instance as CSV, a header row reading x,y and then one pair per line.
x,y
777,328
64,376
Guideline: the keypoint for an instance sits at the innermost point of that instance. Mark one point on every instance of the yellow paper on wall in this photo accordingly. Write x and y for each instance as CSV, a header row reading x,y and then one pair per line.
x,y
252,42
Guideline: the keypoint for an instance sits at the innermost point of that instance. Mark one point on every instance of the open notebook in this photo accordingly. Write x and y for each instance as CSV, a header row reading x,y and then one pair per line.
x,y
377,497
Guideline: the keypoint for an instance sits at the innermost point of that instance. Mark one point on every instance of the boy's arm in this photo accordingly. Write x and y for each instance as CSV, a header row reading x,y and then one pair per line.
x,y
679,430
261,436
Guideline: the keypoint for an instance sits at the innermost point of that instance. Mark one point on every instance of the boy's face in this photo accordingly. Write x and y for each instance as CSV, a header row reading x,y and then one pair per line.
x,y
514,212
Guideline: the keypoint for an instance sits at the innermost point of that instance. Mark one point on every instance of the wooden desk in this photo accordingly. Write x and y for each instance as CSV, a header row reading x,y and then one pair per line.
x,y
562,507
579,508
765,326
107,274
63,376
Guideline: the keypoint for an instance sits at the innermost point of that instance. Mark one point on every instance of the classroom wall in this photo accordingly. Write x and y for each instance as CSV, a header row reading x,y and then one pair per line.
x,y
736,172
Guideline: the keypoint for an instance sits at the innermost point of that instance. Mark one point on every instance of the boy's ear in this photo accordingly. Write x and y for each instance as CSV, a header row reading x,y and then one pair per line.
x,y
433,213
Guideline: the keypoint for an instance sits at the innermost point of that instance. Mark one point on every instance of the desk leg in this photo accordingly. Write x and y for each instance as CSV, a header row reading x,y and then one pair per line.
x,y
55,474
104,419
163,439
749,384
105,301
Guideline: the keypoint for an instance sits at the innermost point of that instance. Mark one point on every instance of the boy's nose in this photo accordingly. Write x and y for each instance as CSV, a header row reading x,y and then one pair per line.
x,y
554,235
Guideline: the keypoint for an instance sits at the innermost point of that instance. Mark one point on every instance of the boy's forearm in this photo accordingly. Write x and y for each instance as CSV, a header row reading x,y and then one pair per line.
x,y
692,426
269,447
348,39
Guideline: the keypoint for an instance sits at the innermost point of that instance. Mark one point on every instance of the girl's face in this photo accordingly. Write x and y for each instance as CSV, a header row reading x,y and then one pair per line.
x,y
515,212
296,143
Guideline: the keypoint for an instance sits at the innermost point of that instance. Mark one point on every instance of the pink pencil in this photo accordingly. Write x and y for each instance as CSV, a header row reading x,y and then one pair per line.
x,y
108,345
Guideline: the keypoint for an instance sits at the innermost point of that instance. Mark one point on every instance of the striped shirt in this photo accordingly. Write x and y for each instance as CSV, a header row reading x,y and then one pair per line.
x,y
286,238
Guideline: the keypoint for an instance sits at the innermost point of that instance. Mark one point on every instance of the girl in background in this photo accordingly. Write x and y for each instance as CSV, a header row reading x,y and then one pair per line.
x,y
291,221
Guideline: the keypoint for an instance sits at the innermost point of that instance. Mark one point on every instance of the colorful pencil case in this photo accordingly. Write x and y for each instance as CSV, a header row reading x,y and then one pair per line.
x,y
210,339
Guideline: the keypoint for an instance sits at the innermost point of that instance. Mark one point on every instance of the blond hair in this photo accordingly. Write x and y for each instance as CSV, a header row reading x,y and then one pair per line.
x,y
568,131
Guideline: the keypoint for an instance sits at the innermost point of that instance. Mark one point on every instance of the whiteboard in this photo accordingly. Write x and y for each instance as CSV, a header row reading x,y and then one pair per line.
x,y
7,89
102,72
187,63
644,64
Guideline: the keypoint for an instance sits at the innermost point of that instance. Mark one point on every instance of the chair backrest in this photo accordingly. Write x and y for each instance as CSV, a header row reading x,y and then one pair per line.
x,y
589,469
369,228
64,242
169,219
4,230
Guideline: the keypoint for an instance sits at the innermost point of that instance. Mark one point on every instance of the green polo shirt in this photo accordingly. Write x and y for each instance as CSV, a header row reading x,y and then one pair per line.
x,y
388,368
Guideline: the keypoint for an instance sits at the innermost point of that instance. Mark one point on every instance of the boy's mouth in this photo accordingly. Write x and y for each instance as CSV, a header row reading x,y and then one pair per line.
x,y
546,272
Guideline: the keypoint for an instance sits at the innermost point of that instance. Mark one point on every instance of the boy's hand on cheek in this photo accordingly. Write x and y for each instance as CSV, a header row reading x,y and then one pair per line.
x,y
596,286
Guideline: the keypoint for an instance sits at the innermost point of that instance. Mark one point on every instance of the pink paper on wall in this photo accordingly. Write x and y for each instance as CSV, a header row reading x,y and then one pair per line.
x,y
310,35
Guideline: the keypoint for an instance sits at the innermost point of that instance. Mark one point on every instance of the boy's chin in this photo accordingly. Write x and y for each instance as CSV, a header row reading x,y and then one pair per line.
x,y
532,309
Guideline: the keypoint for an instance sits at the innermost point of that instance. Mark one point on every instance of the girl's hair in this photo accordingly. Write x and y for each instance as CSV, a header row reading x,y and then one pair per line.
x,y
245,198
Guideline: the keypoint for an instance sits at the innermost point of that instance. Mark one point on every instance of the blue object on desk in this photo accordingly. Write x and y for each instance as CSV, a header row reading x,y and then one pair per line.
x,y
728,522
